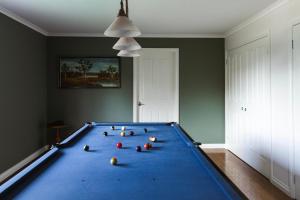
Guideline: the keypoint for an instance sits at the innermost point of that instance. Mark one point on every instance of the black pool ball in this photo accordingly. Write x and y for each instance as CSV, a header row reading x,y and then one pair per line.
x,y
145,130
131,133
86,147
138,148
105,133
113,128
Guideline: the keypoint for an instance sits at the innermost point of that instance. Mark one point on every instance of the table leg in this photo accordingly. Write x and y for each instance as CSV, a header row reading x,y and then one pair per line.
x,y
57,135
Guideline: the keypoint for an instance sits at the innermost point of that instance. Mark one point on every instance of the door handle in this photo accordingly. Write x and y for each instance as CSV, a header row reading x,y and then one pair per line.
x,y
140,103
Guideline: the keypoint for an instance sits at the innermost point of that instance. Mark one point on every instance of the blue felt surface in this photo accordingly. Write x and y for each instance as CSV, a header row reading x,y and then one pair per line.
x,y
173,169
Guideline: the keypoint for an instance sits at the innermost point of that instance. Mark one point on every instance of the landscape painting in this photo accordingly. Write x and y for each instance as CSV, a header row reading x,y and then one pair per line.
x,y
87,72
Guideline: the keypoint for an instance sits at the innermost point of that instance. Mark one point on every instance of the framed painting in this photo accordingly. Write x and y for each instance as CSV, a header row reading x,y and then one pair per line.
x,y
89,72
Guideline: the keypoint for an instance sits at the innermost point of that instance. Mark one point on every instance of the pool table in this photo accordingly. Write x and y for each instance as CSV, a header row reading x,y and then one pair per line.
x,y
174,168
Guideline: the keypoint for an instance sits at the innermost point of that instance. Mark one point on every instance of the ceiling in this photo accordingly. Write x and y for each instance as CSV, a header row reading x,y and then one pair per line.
x,y
153,17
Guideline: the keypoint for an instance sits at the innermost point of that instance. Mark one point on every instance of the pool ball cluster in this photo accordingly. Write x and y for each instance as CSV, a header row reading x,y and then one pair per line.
x,y
119,145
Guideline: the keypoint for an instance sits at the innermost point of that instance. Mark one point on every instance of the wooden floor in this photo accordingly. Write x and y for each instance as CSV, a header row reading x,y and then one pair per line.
x,y
254,185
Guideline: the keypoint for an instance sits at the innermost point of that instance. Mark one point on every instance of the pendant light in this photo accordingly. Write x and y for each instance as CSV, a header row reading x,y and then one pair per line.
x,y
125,53
122,26
127,43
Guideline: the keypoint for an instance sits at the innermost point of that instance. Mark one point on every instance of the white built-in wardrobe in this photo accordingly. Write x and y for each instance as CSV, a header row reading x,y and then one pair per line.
x,y
248,103
263,94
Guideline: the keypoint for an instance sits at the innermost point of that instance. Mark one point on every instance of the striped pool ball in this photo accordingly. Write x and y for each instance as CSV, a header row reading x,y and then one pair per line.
x,y
153,139
123,134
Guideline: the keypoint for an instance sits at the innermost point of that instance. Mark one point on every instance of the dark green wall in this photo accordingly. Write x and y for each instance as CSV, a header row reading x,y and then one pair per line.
x,y
23,91
202,89
76,106
201,86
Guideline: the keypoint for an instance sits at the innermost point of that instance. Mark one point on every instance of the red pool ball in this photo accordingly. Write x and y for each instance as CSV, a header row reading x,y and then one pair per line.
x,y
119,145
147,146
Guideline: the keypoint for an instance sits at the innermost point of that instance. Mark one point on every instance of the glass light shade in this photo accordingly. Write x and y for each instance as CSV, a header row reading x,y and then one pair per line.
x,y
122,27
125,53
127,43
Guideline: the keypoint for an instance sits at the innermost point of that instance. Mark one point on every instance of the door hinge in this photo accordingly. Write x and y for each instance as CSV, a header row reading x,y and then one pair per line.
x,y
295,179
292,44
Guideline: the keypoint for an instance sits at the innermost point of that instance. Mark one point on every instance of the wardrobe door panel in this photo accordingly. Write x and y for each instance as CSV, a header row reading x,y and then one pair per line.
x,y
249,104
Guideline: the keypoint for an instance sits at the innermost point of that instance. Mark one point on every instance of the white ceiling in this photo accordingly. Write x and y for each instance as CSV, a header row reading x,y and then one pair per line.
x,y
162,17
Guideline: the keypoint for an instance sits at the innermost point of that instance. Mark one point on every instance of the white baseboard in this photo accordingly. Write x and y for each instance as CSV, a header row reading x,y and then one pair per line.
x,y
212,146
283,187
23,163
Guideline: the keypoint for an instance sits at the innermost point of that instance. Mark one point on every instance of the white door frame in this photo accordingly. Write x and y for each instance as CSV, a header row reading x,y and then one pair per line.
x,y
293,158
135,82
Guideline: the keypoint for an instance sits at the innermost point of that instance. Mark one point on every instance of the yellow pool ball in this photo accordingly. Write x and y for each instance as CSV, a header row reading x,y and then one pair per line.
x,y
113,161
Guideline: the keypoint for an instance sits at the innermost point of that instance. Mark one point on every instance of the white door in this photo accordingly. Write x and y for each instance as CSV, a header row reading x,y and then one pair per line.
x,y
296,84
248,132
156,88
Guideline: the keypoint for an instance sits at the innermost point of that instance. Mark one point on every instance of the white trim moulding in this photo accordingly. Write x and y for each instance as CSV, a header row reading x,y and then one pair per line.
x,y
256,17
23,21
142,36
